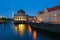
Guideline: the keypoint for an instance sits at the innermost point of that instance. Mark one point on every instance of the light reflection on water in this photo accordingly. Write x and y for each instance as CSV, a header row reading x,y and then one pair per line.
x,y
34,35
9,31
20,28
30,32
29,29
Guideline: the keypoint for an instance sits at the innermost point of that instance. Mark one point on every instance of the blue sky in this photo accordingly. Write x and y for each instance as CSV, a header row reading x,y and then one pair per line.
x,y
31,7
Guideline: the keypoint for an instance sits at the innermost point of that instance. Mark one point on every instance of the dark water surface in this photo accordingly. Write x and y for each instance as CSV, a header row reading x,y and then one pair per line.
x,y
10,31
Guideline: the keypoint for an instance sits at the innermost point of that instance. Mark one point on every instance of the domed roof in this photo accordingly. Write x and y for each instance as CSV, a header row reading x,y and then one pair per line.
x,y
20,11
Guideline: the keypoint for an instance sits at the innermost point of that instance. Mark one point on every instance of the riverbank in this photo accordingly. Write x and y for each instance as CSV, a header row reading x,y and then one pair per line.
x,y
47,33
50,28
2,20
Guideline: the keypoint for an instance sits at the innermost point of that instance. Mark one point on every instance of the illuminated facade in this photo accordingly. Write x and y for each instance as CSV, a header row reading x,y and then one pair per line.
x,y
32,18
49,15
39,17
20,16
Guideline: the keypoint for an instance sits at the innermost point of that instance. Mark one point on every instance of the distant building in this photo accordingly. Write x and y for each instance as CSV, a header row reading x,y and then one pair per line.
x,y
20,16
32,18
49,14
39,16
35,18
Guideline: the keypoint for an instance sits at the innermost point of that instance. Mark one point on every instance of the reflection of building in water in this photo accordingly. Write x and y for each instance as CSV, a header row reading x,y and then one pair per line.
x,y
20,16
34,35
20,29
29,29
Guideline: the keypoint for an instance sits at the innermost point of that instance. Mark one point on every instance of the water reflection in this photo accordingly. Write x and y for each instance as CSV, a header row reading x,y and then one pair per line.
x,y
34,35
34,32
20,28
16,28
29,29
8,31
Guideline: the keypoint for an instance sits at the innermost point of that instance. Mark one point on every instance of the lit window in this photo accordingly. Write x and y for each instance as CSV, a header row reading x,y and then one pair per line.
x,y
40,19
55,15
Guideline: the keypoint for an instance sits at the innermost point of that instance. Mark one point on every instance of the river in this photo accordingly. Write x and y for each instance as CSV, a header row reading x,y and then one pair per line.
x,y
10,31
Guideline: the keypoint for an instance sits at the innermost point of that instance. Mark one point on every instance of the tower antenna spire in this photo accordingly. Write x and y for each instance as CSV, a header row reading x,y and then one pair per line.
x,y
12,14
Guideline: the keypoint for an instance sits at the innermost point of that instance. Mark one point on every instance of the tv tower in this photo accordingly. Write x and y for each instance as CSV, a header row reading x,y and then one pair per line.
x,y
12,14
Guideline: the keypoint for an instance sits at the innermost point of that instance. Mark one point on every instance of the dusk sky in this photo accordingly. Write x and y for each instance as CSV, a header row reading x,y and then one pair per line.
x,y
31,7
